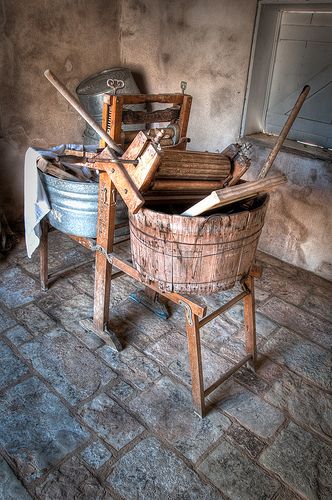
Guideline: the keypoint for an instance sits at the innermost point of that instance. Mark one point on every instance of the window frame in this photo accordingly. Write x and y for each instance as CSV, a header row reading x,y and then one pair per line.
x,y
262,58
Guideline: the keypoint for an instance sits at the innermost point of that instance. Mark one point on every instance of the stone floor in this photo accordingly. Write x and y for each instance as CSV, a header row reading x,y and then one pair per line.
x,y
78,420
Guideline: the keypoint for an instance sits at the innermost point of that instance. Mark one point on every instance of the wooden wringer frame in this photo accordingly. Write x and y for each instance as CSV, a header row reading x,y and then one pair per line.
x,y
130,174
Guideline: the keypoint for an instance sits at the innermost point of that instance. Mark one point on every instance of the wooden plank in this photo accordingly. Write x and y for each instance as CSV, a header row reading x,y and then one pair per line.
x,y
225,376
116,118
241,165
120,177
185,185
50,169
105,237
136,147
124,185
148,98
233,194
144,173
249,320
184,117
195,360
163,115
190,174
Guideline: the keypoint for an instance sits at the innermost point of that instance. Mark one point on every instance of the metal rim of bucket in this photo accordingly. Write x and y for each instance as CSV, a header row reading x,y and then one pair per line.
x,y
201,217
99,74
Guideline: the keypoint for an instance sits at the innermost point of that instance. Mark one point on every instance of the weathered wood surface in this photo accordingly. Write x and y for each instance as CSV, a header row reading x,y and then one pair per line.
x,y
241,165
199,167
147,98
121,179
136,147
149,159
233,194
113,110
130,117
105,238
195,255
186,185
49,168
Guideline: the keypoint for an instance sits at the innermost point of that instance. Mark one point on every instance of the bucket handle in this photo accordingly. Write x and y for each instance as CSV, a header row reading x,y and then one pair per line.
x,y
115,84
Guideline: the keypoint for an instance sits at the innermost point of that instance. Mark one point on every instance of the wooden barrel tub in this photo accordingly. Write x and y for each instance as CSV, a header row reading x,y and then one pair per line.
x,y
196,255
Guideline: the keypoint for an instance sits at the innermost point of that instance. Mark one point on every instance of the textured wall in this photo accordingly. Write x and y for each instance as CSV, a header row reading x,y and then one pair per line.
x,y
206,43
74,38
298,226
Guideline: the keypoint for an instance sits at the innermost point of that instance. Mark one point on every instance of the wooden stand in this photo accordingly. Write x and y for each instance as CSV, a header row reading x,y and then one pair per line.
x,y
106,259
195,313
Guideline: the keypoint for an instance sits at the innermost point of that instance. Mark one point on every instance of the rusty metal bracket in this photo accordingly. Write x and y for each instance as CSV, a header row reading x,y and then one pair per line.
x,y
244,285
108,256
188,312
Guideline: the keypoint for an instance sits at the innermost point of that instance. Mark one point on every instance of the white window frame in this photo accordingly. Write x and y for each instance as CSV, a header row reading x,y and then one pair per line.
x,y
263,53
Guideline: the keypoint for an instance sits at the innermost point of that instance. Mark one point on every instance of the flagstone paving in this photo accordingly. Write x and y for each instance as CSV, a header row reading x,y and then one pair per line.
x,y
78,420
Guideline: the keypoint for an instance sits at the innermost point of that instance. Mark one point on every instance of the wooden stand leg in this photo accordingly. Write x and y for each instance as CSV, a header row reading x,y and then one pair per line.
x,y
43,255
195,358
103,272
250,321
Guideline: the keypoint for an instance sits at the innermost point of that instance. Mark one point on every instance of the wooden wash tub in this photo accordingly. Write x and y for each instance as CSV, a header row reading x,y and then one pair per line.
x,y
196,255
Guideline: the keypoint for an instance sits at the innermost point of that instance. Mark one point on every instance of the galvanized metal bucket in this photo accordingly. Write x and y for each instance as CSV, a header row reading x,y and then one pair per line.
x,y
74,207
92,89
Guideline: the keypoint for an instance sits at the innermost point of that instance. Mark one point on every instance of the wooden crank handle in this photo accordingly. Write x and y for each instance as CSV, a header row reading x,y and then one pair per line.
x,y
284,132
79,108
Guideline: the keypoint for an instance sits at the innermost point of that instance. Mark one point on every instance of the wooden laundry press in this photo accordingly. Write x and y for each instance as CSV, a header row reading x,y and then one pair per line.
x,y
129,175
114,176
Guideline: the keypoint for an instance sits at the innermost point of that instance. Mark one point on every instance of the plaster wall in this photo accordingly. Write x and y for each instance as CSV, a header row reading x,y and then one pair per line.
x,y
74,38
205,43
298,225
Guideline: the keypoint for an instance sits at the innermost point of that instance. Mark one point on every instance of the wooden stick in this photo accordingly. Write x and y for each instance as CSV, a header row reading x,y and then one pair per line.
x,y
284,132
48,168
79,108
241,165
230,195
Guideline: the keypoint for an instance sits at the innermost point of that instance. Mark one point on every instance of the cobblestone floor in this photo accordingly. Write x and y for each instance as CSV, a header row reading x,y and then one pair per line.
x,y
78,420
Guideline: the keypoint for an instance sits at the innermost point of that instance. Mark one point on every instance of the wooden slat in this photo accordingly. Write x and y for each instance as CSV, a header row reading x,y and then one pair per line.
x,y
185,185
171,155
148,98
105,238
116,118
184,117
161,115
241,165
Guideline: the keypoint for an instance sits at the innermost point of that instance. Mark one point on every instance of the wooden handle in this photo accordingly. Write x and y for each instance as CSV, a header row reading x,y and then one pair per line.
x,y
79,108
229,195
284,132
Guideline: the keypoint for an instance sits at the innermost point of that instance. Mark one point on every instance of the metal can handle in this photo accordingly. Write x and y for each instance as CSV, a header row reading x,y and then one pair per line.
x,y
115,85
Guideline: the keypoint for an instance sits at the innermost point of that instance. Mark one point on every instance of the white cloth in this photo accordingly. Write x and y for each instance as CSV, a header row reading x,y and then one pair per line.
x,y
36,204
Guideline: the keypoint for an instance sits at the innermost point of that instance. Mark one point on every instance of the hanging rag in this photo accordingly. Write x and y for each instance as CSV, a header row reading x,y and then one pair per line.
x,y
36,204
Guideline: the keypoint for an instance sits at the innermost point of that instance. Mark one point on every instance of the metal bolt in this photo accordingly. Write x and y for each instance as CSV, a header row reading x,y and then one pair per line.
x,y
125,191
112,170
